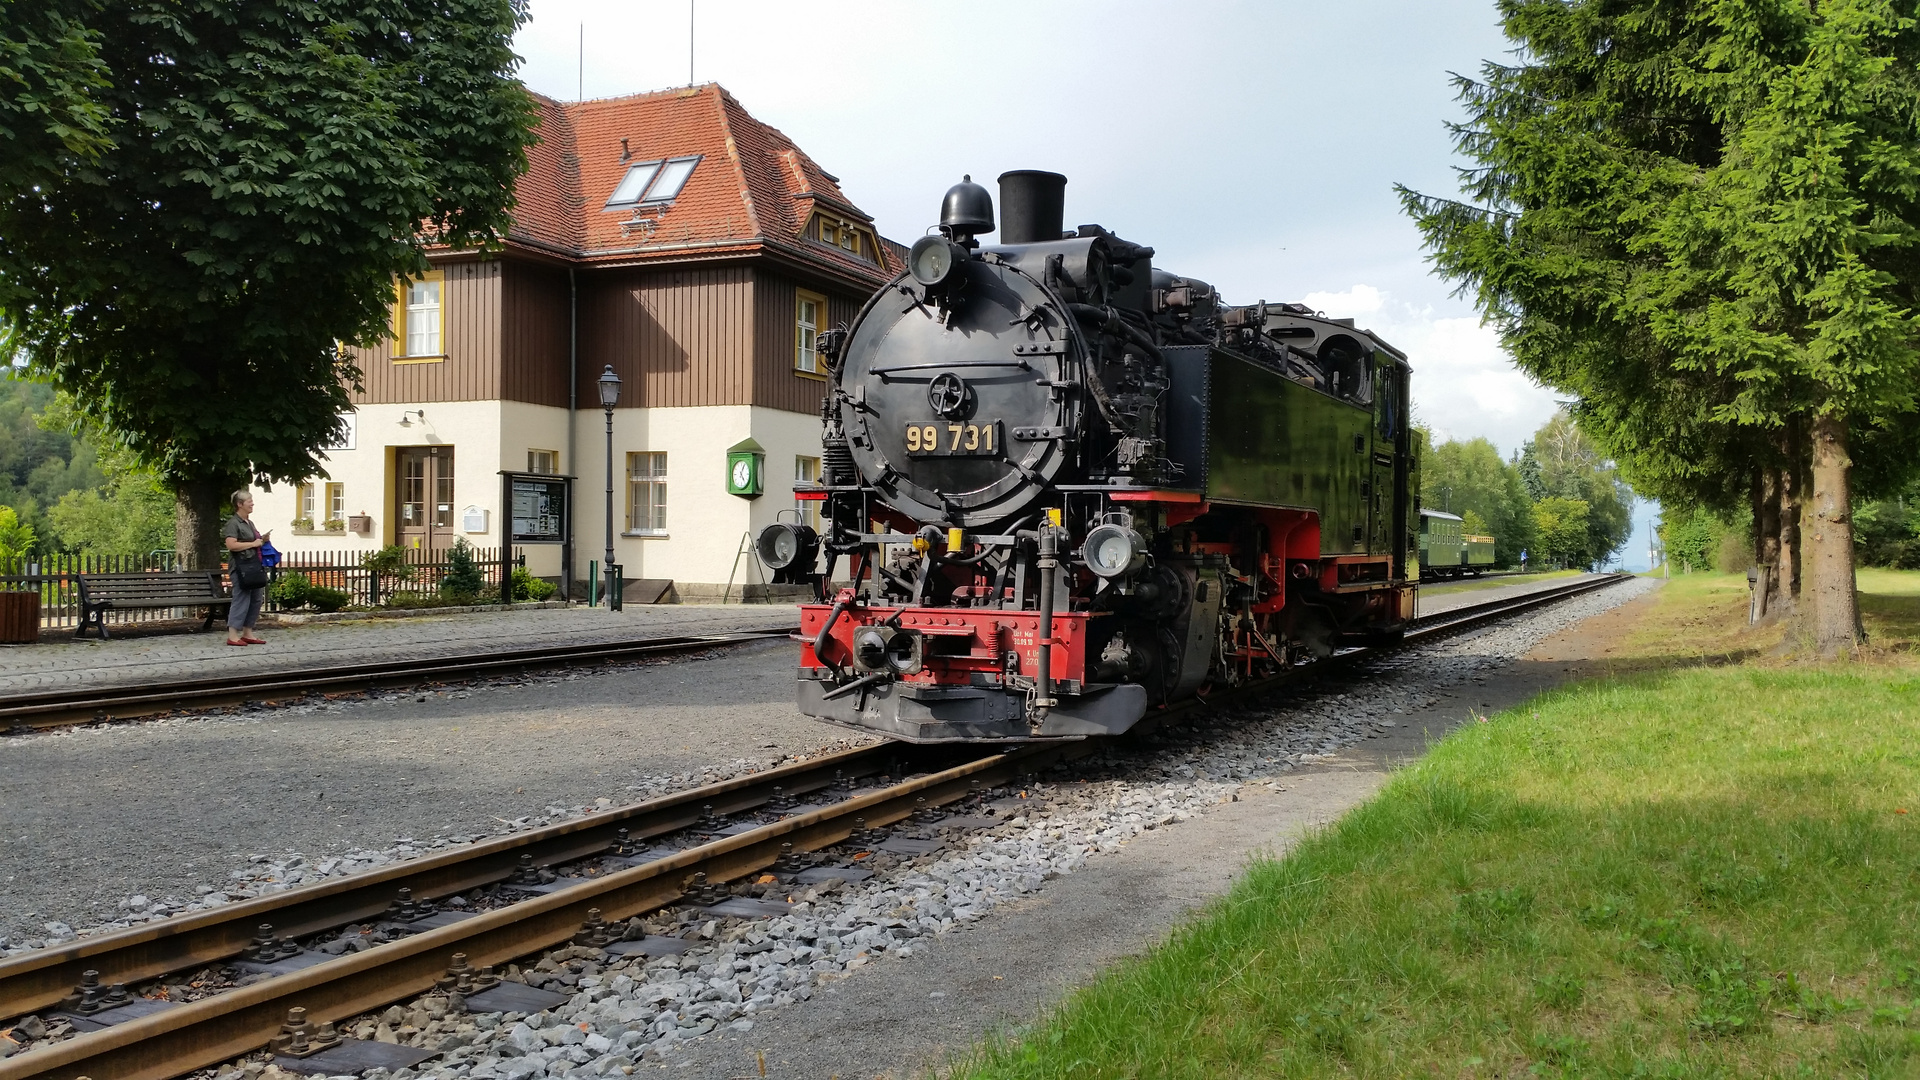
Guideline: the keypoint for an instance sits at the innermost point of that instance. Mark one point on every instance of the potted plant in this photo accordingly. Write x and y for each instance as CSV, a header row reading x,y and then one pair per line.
x,y
303,525
338,525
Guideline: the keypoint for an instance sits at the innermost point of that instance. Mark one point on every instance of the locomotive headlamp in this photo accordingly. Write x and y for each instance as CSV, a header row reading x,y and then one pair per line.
x,y
933,260
1114,551
783,544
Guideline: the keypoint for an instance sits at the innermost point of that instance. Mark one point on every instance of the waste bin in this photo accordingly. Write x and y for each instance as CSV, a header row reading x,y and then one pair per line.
x,y
19,618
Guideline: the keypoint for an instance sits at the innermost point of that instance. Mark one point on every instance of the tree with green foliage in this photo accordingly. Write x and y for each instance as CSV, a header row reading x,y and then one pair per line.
x,y
1561,525
1560,461
1469,478
16,540
269,168
52,119
131,514
1700,219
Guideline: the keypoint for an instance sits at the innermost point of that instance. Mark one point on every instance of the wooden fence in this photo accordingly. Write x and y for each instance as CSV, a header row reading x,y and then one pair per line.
x,y
56,578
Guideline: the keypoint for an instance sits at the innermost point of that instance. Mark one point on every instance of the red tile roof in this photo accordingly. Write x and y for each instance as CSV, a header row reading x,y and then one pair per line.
x,y
752,192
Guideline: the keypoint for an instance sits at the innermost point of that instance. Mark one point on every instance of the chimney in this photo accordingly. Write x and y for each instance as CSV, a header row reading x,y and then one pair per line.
x,y
1032,206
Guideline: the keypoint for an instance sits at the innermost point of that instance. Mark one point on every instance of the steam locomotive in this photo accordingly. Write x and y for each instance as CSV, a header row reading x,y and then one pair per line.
x,y
1070,487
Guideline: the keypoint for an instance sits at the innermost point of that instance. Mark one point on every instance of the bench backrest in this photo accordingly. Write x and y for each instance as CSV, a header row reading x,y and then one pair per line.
x,y
183,585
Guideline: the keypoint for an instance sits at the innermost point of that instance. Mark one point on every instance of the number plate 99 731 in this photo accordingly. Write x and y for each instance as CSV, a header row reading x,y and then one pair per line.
x,y
944,438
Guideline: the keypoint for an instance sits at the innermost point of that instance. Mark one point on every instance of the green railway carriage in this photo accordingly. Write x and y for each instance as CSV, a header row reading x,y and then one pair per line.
x,y
1448,550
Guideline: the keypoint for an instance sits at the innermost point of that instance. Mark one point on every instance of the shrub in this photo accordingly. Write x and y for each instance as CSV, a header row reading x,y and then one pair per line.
x,y
324,599
390,567
528,587
291,590
463,580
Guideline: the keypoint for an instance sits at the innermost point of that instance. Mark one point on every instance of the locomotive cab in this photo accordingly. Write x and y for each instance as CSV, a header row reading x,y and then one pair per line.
x,y
1063,488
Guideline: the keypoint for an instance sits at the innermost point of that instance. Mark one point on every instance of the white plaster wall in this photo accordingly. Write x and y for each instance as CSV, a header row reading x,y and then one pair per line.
x,y
486,436
704,523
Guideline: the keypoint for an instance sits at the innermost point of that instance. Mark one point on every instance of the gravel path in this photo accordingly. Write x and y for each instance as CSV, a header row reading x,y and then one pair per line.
x,y
1105,826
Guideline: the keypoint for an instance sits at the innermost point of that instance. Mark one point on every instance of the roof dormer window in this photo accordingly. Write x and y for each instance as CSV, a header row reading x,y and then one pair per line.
x,y
650,183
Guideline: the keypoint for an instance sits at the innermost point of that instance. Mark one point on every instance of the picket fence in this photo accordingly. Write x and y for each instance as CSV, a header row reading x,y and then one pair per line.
x,y
57,579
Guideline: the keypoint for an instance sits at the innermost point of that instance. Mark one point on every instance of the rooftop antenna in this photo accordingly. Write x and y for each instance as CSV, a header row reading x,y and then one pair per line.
x,y
581,93
690,4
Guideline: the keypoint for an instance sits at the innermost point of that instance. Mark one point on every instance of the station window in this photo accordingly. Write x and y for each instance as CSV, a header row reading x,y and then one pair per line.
x,y
419,318
809,312
544,462
647,493
336,501
305,503
806,470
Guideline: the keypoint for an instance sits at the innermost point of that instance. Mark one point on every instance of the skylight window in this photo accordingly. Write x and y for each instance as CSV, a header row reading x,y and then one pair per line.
x,y
651,182
632,184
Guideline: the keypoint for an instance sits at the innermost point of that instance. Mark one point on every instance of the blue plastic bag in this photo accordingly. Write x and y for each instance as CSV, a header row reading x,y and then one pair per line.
x,y
269,555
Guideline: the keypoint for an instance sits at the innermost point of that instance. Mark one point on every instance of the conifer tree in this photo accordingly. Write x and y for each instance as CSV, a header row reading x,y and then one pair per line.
x,y
1700,219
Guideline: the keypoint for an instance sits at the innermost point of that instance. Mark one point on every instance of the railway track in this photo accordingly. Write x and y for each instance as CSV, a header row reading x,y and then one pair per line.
x,y
62,708
734,830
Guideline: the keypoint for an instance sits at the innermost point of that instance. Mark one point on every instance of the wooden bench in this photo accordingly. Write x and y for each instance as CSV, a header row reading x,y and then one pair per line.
x,y
155,589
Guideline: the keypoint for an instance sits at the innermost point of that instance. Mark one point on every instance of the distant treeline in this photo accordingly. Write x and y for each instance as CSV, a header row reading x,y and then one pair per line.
x,y
1557,499
65,492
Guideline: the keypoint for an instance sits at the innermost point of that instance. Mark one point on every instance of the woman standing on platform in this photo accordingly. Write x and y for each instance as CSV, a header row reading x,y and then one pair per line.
x,y
245,570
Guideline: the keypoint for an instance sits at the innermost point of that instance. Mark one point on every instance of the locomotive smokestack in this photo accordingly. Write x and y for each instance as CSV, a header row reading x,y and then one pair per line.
x,y
1033,206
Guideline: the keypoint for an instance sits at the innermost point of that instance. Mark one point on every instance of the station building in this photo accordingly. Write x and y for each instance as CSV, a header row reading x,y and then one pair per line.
x,y
670,235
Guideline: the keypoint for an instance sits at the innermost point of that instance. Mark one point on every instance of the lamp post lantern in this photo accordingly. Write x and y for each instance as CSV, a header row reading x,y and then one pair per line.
x,y
609,397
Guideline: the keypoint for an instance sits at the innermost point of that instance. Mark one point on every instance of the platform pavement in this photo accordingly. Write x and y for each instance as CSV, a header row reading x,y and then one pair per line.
x,y
139,660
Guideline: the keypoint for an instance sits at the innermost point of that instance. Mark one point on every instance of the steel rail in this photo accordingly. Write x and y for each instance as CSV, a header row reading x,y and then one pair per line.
x,y
214,1029
59,708
40,979
217,1028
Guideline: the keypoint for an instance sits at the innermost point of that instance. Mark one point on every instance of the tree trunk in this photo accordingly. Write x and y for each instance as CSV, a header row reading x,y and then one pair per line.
x,y
1791,489
197,522
1766,532
1835,609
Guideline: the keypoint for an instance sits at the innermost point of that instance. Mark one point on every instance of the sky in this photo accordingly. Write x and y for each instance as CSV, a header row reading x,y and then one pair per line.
x,y
1253,145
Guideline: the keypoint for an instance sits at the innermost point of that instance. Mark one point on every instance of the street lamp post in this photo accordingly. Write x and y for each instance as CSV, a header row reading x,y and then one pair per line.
x,y
609,397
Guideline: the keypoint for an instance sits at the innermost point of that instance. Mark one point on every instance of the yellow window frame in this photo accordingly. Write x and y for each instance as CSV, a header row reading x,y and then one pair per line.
x,y
399,353
802,296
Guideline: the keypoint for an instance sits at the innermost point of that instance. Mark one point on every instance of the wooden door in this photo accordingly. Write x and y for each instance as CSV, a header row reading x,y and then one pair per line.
x,y
423,507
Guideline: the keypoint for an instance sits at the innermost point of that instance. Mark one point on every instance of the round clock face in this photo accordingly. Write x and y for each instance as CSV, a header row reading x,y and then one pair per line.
x,y
742,473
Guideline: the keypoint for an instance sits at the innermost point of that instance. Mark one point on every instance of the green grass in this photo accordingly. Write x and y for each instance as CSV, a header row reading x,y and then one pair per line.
x,y
1701,867
1470,584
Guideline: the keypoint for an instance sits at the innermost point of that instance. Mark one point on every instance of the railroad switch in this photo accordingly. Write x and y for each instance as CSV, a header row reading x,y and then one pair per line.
x,y
404,909
300,1038
90,997
462,979
268,949
595,933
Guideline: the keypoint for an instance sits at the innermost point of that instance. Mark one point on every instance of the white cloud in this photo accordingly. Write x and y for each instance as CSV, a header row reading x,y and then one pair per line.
x,y
1464,383
1354,303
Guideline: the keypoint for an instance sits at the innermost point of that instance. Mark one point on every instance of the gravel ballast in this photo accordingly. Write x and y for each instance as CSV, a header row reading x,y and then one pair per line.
x,y
696,1010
